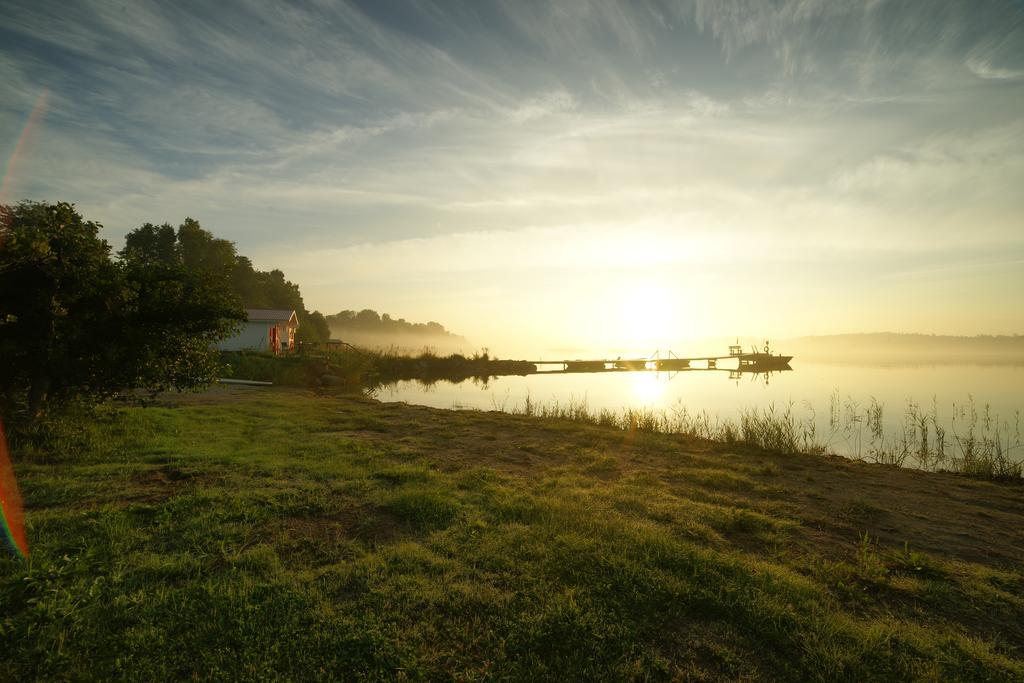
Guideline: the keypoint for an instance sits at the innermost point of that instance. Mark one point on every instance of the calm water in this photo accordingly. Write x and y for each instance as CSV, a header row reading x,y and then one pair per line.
x,y
812,388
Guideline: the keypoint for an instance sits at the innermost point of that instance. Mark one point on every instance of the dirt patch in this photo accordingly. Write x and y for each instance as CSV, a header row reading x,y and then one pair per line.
x,y
925,510
369,524
160,483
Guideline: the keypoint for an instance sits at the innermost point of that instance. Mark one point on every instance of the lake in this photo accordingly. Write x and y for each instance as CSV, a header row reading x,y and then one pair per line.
x,y
833,397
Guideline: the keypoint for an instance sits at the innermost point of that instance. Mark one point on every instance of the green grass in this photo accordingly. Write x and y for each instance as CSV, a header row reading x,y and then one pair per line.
x,y
291,371
280,535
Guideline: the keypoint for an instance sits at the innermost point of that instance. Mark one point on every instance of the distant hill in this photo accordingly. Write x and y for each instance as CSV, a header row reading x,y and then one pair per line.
x,y
369,328
892,347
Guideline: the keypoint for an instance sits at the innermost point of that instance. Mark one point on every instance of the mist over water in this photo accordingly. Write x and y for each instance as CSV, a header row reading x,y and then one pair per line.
x,y
406,344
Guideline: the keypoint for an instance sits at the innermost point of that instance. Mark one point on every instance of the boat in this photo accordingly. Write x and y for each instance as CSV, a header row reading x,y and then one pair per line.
x,y
760,359
672,364
764,360
630,365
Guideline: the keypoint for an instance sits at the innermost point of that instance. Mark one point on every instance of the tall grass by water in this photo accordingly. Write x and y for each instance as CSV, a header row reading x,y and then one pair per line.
x,y
975,441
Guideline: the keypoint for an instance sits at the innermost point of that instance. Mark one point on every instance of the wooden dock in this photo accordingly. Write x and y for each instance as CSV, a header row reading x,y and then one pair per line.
x,y
744,362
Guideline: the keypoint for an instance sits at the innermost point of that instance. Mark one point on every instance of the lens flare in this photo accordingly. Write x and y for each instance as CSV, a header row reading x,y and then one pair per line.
x,y
33,119
12,515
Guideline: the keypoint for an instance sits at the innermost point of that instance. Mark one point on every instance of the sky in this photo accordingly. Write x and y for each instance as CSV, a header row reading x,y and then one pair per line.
x,y
553,174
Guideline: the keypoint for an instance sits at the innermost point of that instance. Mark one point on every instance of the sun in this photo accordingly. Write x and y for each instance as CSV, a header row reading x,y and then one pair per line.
x,y
647,315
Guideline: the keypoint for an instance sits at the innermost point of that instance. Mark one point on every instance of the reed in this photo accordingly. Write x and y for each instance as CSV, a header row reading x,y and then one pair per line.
x,y
776,429
983,445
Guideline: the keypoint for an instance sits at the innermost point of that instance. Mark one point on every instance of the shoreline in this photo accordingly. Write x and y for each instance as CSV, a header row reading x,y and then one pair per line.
x,y
922,444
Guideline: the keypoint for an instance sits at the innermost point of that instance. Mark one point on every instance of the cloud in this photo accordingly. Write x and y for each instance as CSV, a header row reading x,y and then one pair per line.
x,y
984,69
545,104
952,169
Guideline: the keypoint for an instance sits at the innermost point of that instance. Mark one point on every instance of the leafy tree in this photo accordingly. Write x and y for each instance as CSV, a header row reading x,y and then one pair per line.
x,y
276,292
171,318
368,319
59,291
197,249
190,246
201,251
313,328
342,319
152,244
243,282
77,324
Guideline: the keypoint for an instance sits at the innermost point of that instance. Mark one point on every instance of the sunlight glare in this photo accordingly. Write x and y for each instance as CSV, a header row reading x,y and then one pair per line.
x,y
648,387
646,316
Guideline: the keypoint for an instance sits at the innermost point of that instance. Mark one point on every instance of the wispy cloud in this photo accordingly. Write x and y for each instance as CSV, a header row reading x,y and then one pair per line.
x,y
322,129
984,69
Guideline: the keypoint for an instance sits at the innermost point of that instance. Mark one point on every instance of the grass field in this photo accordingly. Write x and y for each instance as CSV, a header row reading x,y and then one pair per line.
x,y
275,534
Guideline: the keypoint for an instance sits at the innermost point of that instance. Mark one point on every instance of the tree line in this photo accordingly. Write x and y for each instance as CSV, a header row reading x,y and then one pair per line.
x,y
368,320
78,321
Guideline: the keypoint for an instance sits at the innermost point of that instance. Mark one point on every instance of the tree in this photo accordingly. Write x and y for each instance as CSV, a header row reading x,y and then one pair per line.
x,y
189,246
198,250
201,251
313,328
152,244
58,287
75,323
367,319
276,292
171,318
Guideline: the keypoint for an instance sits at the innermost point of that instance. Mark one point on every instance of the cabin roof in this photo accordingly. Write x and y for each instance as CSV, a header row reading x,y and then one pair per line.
x,y
277,315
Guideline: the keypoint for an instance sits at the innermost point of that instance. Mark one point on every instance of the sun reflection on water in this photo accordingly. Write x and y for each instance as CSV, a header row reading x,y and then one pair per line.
x,y
648,387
